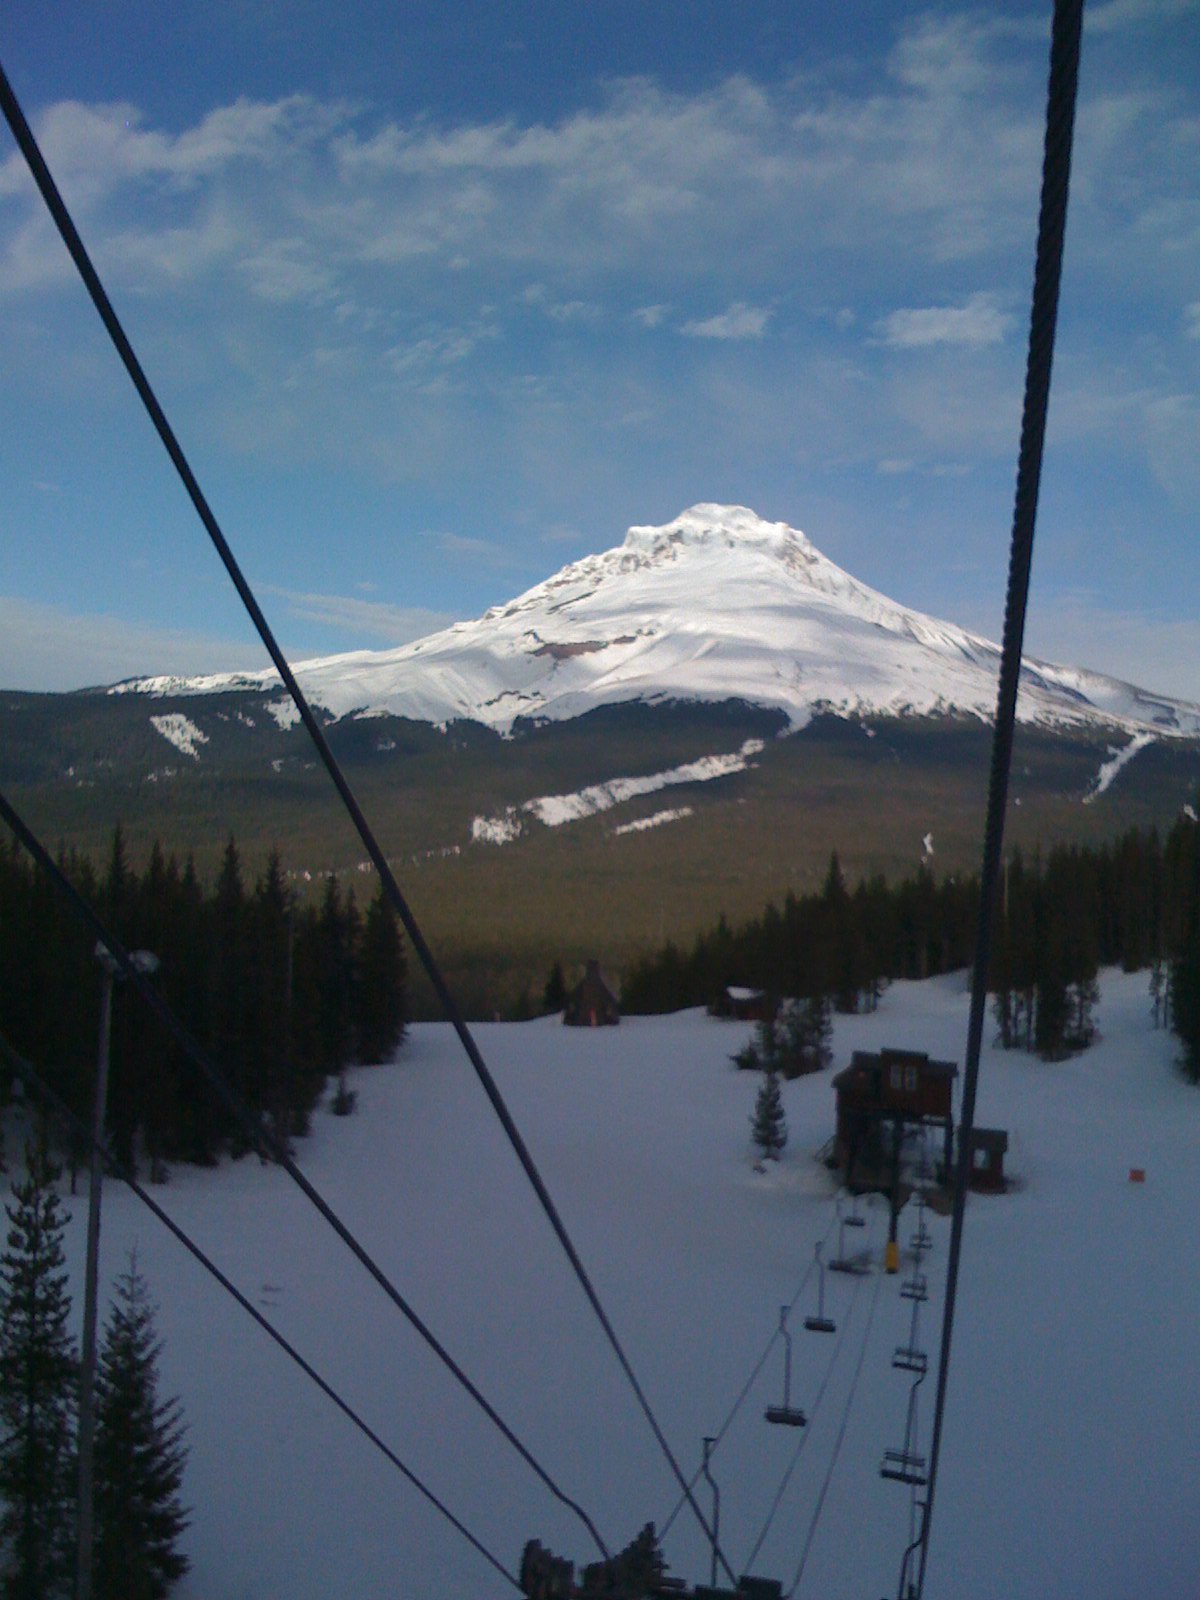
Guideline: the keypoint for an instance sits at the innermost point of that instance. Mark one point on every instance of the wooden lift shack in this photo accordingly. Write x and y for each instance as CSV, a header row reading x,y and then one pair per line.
x,y
881,1099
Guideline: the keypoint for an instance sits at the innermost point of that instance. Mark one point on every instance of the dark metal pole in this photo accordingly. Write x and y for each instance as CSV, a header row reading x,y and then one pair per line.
x,y
716,1521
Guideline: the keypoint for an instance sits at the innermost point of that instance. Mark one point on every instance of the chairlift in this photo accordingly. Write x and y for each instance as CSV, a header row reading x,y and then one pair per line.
x,y
915,1288
787,1414
909,1359
922,1239
902,1466
820,1323
844,1263
905,1465
855,1219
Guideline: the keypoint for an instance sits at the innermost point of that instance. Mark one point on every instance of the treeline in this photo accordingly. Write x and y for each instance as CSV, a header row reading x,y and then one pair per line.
x,y
1134,903
282,995
839,944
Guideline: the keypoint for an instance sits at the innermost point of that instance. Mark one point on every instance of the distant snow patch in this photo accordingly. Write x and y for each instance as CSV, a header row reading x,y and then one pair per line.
x,y
1120,758
552,810
496,830
284,712
655,821
180,731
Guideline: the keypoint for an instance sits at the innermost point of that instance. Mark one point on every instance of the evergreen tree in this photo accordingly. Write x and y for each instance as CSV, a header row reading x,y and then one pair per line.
x,y
554,996
806,1037
140,1457
768,1125
381,1008
37,1393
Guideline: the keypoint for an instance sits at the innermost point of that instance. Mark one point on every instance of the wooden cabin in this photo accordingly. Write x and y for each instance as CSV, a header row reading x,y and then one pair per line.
x,y
988,1148
736,1003
591,1003
895,1088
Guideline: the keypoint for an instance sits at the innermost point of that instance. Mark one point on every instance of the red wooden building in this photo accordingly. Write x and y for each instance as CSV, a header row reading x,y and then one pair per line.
x,y
879,1097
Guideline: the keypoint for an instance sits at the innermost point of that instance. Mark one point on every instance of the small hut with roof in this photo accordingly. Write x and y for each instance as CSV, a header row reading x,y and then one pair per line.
x,y
591,1003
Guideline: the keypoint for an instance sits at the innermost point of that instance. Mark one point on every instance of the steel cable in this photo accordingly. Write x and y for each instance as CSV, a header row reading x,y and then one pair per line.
x,y
1056,174
49,190
837,1445
843,1334
33,1080
746,1387
265,1140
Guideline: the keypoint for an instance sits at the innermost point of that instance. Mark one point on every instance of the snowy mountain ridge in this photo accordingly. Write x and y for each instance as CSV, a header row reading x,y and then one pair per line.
x,y
717,604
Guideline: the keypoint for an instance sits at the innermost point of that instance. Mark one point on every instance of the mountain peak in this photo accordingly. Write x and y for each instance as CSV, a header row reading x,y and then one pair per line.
x,y
710,524
716,604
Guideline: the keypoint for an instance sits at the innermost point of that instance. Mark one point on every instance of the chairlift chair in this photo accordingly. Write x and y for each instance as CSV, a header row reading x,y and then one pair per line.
x,y
909,1359
854,1220
844,1263
915,1288
903,1466
820,1323
787,1414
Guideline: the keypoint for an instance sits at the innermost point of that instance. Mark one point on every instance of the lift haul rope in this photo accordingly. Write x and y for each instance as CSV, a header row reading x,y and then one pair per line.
x,y
33,1080
837,1444
42,176
1056,175
843,1333
263,1139
745,1390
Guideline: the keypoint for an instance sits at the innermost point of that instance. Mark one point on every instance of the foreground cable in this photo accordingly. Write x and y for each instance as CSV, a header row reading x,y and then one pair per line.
x,y
33,1081
1056,174
42,176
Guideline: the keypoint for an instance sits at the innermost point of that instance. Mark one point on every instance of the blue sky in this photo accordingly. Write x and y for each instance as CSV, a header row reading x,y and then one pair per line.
x,y
442,296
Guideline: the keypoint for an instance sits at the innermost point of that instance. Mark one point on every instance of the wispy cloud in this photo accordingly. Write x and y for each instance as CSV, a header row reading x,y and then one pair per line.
x,y
1191,320
52,648
740,321
373,618
475,549
1116,14
972,325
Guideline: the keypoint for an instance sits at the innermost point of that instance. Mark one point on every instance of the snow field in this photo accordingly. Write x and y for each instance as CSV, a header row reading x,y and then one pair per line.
x,y
1073,1405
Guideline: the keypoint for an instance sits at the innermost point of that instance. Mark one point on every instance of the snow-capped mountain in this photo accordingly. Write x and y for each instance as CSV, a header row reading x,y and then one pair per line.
x,y
715,605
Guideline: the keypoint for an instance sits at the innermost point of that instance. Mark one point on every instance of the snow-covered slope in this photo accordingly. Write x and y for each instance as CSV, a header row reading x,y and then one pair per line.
x,y
716,605
1069,1453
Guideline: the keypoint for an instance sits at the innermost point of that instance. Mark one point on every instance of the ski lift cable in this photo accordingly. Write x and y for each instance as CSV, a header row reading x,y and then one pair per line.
x,y
33,1080
265,1140
1061,96
789,1470
45,182
837,1444
744,1392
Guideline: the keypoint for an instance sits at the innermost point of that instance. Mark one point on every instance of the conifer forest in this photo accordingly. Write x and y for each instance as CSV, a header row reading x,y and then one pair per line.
x,y
1134,903
283,995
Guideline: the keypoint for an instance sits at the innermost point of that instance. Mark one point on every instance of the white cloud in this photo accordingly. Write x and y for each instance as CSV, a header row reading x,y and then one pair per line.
x,y
462,544
1118,14
741,321
650,316
375,618
973,325
46,647
1155,652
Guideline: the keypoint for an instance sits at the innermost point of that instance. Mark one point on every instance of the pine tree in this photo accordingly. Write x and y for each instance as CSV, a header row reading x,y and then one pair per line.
x,y
37,1393
381,1008
554,996
806,1037
140,1456
768,1125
